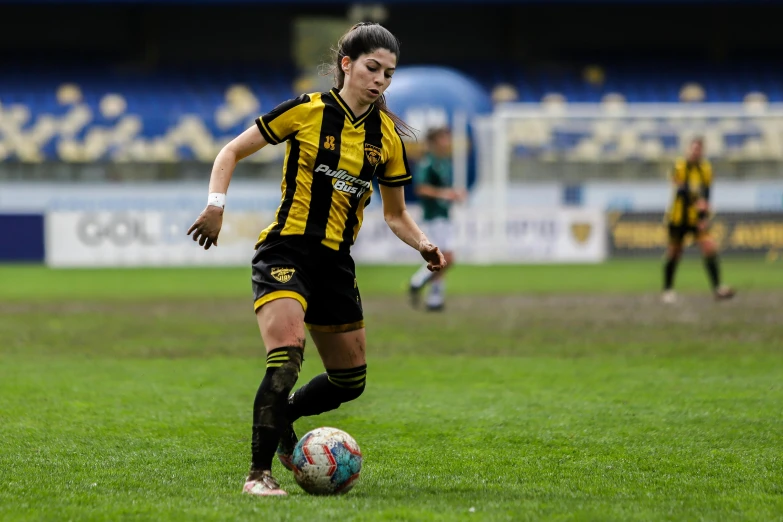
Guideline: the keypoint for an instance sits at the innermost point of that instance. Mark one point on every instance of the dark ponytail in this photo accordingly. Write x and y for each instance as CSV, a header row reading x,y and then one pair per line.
x,y
364,38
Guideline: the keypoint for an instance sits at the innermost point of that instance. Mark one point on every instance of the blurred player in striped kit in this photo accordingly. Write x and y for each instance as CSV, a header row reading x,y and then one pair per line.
x,y
689,215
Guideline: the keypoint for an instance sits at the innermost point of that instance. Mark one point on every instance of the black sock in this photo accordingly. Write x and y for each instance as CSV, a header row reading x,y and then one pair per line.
x,y
327,392
668,273
711,264
269,408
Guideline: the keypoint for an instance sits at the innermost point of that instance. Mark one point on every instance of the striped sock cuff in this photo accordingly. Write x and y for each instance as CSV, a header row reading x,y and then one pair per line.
x,y
350,378
279,356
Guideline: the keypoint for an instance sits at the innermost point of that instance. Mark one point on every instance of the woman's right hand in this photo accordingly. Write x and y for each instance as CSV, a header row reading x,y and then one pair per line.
x,y
207,226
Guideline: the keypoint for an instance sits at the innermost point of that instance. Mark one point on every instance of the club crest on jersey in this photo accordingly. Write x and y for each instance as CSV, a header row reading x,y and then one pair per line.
x,y
581,232
373,154
283,275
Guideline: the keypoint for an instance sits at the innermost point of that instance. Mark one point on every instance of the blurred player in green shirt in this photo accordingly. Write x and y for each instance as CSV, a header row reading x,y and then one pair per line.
x,y
434,187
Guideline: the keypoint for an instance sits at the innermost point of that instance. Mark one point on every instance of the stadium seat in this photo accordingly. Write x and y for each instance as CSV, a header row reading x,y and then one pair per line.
x,y
91,113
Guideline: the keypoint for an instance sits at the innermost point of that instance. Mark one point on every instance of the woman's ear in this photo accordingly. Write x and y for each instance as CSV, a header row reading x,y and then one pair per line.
x,y
345,63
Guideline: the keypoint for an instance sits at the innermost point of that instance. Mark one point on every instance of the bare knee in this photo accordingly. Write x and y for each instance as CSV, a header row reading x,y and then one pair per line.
x,y
281,323
341,350
708,247
674,251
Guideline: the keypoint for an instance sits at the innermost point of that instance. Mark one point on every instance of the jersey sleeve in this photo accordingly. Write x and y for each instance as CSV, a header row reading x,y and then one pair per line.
x,y
284,120
396,171
707,174
678,173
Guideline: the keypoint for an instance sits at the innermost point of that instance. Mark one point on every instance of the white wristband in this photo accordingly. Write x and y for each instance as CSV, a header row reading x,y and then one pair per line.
x,y
216,199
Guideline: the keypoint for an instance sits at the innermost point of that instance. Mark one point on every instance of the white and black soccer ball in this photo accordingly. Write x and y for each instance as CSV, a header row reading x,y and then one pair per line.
x,y
327,461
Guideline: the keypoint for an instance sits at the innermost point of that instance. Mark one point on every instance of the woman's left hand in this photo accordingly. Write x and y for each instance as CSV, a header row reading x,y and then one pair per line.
x,y
432,255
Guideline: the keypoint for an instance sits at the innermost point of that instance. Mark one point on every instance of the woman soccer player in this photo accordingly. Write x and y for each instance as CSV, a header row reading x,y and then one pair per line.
x,y
302,271
689,215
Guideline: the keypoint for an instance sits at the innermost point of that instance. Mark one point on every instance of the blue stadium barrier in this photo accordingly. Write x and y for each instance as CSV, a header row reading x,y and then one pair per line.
x,y
24,238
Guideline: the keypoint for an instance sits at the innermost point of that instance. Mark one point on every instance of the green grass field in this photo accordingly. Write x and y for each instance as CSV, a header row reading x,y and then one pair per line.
x,y
543,392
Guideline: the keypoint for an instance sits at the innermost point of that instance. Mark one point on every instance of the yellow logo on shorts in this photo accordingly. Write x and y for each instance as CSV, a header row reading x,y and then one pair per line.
x,y
581,232
283,275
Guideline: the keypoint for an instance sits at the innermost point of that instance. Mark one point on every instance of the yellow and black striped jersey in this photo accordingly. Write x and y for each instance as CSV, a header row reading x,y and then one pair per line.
x,y
692,181
330,161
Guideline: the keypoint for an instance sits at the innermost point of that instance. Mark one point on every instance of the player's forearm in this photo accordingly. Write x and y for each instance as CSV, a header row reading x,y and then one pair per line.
x,y
222,170
405,228
431,191
242,146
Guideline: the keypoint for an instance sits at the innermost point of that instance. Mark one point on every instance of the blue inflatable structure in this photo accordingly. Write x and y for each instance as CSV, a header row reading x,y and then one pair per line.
x,y
425,88
429,96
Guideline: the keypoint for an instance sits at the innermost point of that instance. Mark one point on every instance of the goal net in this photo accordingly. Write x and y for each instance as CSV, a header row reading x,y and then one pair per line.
x,y
545,155
578,142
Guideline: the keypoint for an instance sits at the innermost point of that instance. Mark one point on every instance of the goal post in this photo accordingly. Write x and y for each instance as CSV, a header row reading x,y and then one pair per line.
x,y
553,156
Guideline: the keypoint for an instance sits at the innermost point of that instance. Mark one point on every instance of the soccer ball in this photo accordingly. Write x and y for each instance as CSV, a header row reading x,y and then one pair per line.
x,y
327,461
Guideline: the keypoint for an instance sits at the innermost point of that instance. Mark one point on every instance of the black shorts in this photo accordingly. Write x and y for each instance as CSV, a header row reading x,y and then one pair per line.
x,y
678,233
322,280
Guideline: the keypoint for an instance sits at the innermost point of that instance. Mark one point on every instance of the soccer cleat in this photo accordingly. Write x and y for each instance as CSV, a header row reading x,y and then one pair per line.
x,y
723,293
414,294
262,484
435,301
669,297
285,449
